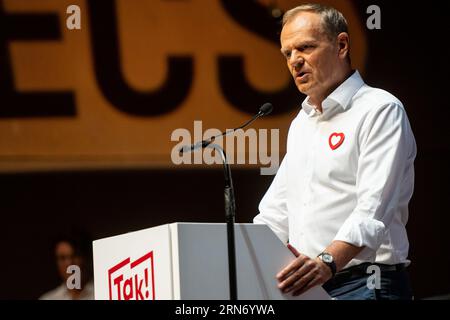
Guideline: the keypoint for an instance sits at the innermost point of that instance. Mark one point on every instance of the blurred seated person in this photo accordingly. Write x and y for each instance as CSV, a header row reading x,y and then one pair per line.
x,y
74,248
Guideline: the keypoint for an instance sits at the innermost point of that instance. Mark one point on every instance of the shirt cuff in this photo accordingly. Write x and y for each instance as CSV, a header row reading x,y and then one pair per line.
x,y
362,231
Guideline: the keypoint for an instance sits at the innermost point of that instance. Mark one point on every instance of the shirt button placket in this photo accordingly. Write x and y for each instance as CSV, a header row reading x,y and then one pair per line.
x,y
311,159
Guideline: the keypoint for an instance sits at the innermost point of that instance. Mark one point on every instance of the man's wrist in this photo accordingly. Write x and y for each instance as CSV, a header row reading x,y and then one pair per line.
x,y
328,260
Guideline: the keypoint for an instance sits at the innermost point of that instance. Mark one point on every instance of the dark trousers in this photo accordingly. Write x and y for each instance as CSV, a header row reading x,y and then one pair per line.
x,y
355,283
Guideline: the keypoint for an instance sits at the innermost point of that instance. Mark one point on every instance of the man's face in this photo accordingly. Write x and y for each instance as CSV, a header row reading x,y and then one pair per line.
x,y
311,56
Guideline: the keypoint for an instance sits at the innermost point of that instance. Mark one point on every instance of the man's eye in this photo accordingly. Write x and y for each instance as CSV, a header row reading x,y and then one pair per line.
x,y
306,47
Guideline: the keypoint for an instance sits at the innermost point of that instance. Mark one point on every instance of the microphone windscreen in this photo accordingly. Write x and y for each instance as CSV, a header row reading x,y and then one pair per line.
x,y
266,108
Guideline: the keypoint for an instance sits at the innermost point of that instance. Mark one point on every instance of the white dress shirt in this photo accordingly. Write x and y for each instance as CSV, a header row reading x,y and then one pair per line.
x,y
348,175
62,293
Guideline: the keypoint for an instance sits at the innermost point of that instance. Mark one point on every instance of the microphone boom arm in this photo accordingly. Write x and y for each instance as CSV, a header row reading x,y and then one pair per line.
x,y
264,110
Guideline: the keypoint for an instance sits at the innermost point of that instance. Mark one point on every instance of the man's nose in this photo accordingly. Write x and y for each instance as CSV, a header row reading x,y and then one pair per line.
x,y
296,61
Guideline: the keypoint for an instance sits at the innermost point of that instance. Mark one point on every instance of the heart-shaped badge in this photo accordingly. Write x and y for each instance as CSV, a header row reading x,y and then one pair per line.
x,y
335,140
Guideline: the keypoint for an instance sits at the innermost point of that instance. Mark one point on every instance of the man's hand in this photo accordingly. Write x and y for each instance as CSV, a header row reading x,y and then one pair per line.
x,y
302,274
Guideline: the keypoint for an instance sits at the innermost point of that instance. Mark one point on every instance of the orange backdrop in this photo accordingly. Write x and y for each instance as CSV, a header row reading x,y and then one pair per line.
x,y
99,135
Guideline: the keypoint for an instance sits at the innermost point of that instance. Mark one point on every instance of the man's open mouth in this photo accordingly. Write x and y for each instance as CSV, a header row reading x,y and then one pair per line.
x,y
301,75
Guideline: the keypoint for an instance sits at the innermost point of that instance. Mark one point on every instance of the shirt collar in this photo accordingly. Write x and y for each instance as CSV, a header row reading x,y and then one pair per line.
x,y
341,96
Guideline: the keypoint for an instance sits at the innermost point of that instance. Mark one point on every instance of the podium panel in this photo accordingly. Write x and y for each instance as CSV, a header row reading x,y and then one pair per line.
x,y
190,261
134,266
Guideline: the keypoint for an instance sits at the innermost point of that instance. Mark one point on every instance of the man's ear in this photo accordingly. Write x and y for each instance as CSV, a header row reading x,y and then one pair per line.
x,y
343,44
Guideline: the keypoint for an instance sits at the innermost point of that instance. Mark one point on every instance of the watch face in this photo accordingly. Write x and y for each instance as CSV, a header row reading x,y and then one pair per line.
x,y
327,258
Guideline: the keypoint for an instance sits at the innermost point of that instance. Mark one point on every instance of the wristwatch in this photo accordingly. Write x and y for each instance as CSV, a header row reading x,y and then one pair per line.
x,y
329,261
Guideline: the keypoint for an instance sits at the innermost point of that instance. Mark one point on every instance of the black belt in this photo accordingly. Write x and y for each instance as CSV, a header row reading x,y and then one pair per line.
x,y
360,271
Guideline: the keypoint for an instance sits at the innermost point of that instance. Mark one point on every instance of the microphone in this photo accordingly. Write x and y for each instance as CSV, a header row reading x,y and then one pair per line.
x,y
264,110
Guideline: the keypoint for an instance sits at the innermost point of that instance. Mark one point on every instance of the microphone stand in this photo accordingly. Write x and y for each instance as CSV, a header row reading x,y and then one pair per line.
x,y
230,207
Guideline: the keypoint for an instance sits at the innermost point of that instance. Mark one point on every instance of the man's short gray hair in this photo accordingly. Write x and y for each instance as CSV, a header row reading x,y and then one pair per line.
x,y
333,21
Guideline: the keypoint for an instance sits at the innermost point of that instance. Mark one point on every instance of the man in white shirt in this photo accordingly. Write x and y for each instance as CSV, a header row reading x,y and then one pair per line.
x,y
340,197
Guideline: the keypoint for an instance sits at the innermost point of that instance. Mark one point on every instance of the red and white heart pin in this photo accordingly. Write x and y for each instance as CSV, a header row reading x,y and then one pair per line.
x,y
336,139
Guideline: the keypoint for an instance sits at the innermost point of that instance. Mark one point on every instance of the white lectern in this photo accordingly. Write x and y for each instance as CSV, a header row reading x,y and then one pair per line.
x,y
189,261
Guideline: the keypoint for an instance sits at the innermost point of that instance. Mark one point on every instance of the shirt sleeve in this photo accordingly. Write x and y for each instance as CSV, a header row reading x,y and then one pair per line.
x,y
387,152
272,208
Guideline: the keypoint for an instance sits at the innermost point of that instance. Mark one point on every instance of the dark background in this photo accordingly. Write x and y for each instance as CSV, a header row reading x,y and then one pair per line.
x,y
407,57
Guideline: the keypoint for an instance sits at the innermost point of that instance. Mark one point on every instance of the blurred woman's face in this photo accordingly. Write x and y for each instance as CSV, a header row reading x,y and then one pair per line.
x,y
65,256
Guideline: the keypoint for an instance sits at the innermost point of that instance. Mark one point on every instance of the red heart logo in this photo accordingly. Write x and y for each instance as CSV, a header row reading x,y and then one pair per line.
x,y
335,140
